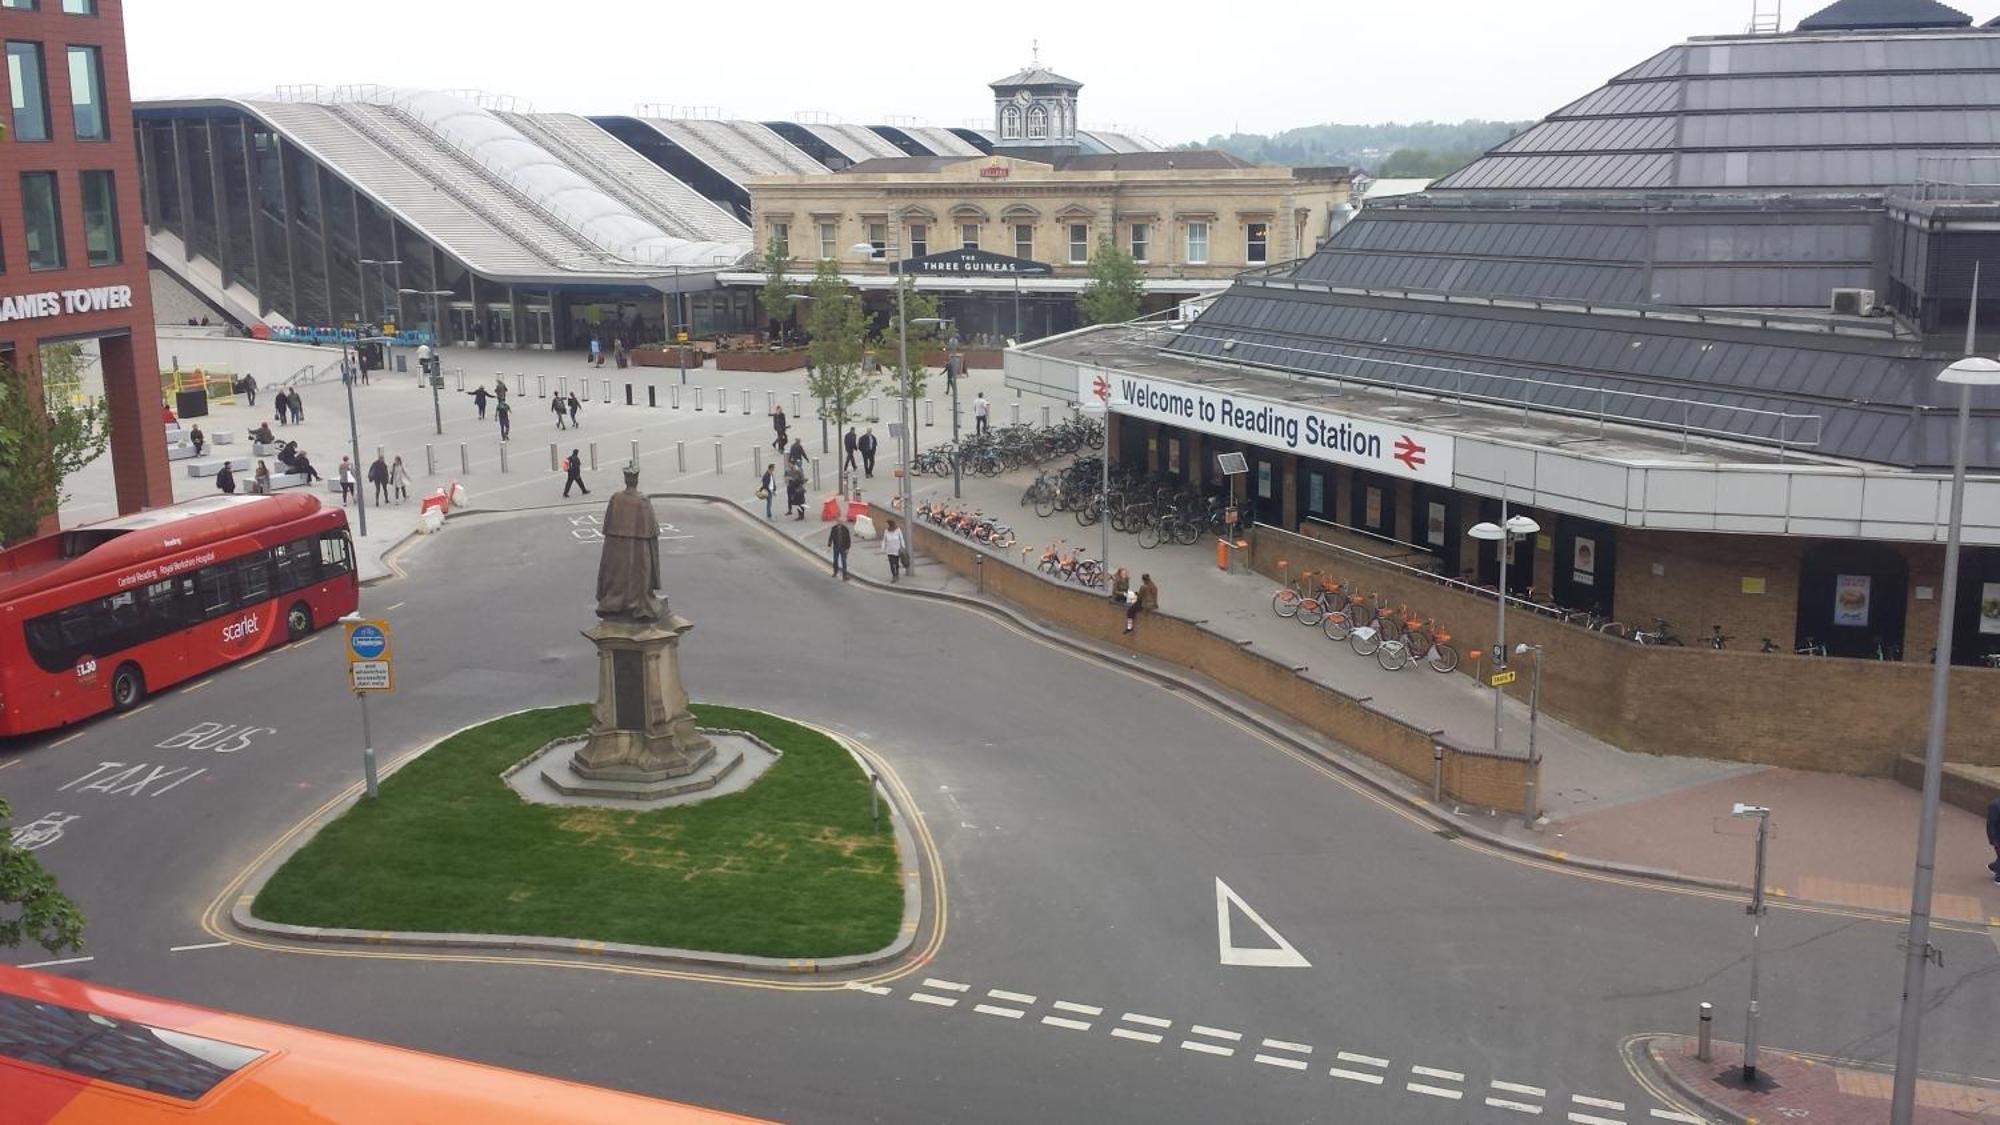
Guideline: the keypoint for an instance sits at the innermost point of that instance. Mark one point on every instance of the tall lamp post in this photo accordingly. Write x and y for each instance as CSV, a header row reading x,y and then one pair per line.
x,y
390,314
354,440
1756,912
951,378
434,377
1972,371
906,410
1534,714
1505,534
824,447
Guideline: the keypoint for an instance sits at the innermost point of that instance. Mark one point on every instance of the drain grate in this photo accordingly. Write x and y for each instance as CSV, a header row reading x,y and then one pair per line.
x,y
1447,833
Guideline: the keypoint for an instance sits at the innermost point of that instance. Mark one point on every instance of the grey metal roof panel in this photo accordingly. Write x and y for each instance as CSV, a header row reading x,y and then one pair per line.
x,y
1856,15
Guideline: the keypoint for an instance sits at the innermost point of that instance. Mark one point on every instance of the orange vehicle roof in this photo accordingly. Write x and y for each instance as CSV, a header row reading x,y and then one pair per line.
x,y
302,1076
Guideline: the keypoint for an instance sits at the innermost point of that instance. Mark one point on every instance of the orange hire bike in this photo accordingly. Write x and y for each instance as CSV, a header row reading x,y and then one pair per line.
x,y
1347,616
1325,598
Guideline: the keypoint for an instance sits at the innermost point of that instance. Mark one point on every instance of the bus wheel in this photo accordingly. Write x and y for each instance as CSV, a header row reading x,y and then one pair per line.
x,y
128,687
298,621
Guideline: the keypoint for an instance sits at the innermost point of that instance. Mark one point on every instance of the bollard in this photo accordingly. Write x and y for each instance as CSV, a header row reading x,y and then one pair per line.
x,y
593,456
874,408
674,395
503,456
1703,1049
930,414
718,455
681,457
430,460
562,385
1015,416
1437,766
555,458
635,451
746,404
520,384
607,388
378,454
770,402
461,377
652,395
541,386
1045,417
757,460
628,394
795,404
464,460
979,572
815,474
697,398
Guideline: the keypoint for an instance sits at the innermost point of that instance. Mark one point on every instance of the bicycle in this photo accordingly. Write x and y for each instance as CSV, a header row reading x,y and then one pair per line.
x,y
1286,602
1660,634
1313,607
1341,624
1368,638
1716,639
1394,653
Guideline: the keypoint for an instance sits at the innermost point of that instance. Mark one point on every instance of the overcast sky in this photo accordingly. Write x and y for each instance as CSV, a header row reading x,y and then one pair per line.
x,y
1175,71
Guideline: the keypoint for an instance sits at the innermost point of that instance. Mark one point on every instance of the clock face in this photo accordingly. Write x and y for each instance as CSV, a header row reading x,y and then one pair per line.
x,y
1021,97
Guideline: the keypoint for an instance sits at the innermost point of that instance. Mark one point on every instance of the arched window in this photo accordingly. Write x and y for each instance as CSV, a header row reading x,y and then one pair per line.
x,y
1038,123
1010,123
1062,120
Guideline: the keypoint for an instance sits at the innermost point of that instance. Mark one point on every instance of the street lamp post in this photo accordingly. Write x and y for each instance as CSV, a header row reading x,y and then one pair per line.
x,y
390,314
434,377
1503,534
1972,371
951,379
907,410
354,443
1534,714
1756,912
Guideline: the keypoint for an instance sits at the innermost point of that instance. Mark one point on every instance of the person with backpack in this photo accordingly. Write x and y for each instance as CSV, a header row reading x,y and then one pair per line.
x,y
556,408
573,466
575,405
281,407
225,479
502,412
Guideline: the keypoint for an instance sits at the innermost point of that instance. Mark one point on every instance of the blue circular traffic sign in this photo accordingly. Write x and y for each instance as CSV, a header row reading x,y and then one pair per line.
x,y
368,641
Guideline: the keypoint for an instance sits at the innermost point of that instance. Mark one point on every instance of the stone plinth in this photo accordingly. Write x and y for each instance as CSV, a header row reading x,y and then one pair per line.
x,y
641,731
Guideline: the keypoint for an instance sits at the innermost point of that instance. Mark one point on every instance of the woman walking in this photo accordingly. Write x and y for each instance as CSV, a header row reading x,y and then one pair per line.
x,y
893,546
795,491
347,481
778,425
378,475
399,479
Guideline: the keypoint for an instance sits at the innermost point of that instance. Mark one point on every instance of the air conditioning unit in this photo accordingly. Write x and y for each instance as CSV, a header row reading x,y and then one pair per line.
x,y
1853,302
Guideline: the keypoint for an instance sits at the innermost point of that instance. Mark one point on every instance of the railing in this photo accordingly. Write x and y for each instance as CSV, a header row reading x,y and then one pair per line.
x,y
1957,179
1795,431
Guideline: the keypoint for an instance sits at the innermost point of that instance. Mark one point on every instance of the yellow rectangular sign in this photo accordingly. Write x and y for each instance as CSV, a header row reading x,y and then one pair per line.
x,y
1502,679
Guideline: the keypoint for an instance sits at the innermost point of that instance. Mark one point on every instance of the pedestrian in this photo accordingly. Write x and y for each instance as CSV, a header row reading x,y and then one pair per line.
x,y
893,546
796,455
500,389
225,479
980,408
197,439
250,388
840,539
778,425
1121,585
574,406
347,481
399,479
303,464
1147,600
1993,836
260,481
867,447
479,400
505,415
573,465
766,489
596,348
795,491
809,372
378,475
556,407
850,443
262,435
281,407
298,407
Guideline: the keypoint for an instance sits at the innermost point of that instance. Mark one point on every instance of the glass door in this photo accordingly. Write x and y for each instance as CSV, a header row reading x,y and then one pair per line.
x,y
460,319
538,327
502,332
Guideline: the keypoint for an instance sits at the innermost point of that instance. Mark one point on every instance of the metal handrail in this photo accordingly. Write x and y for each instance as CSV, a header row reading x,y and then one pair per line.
x,y
1430,576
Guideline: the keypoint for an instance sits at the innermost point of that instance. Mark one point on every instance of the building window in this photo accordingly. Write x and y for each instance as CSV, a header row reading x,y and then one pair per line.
x,y
1197,243
781,237
920,242
86,93
878,238
1038,123
43,212
80,7
1142,241
1257,247
22,5
100,218
1024,240
1010,123
1079,243
968,236
30,91
828,235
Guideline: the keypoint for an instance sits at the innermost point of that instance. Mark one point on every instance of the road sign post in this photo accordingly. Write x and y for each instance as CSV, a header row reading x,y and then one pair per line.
x,y
370,668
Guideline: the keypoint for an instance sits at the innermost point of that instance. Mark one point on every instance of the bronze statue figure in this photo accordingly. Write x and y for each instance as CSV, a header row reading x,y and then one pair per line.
x,y
628,571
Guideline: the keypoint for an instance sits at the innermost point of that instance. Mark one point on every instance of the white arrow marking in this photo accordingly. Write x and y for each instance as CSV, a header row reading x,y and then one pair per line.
x,y
1283,957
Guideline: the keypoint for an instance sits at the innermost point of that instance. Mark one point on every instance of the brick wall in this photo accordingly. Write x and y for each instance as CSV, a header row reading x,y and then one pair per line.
x,y
1472,776
1844,716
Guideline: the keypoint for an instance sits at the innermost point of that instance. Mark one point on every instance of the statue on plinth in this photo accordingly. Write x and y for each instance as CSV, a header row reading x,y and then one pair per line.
x,y
641,730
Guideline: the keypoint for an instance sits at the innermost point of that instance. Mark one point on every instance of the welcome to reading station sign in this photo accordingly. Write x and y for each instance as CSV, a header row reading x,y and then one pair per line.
x,y
1379,447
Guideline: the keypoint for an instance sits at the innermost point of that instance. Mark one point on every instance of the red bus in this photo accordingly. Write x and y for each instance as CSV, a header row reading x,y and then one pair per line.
x,y
73,1053
95,617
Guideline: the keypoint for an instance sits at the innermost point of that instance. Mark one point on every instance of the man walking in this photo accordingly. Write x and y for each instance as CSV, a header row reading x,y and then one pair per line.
x,y
250,388
281,407
1993,836
840,539
575,405
850,443
778,424
479,400
979,408
867,447
574,464
378,475
298,404
505,414
556,407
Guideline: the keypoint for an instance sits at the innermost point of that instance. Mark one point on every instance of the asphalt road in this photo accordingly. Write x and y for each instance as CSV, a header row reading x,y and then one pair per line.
x,y
1083,816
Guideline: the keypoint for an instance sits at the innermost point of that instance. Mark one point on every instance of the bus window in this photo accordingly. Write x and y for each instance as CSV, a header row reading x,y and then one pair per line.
x,y
335,556
163,614
253,579
293,565
45,644
212,590
77,633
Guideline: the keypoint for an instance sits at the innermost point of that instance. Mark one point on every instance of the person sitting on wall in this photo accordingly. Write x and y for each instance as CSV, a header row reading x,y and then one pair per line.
x,y
262,434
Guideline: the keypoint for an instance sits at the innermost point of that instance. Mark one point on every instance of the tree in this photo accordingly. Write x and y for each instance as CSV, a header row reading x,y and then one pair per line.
x,y
43,439
924,337
837,329
775,299
1112,296
41,913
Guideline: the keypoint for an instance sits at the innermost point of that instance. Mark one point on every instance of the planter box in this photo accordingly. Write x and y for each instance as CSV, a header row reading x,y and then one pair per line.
x,y
649,357
760,361
976,359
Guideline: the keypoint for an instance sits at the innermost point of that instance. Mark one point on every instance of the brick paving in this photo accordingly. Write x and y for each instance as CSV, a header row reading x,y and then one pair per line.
x,y
1805,1088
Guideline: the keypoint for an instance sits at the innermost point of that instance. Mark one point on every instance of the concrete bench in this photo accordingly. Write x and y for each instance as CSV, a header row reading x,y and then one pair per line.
x,y
222,437
287,480
266,448
209,466
180,452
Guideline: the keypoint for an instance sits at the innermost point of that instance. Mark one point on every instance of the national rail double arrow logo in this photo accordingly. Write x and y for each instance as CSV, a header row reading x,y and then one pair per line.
x,y
1101,387
1408,452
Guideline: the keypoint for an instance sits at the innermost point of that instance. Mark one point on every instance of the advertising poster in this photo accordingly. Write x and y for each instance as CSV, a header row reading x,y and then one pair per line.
x,y
1315,492
1583,564
1434,526
1174,455
1263,480
1373,520
1989,609
1850,600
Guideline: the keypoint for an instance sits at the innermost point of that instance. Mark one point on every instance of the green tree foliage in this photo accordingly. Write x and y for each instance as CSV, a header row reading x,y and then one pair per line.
x,y
1366,146
838,331
924,337
31,908
775,299
43,439
1422,164
1113,292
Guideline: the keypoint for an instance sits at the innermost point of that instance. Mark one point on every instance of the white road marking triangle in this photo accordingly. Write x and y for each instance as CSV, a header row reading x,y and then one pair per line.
x,y
1282,957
